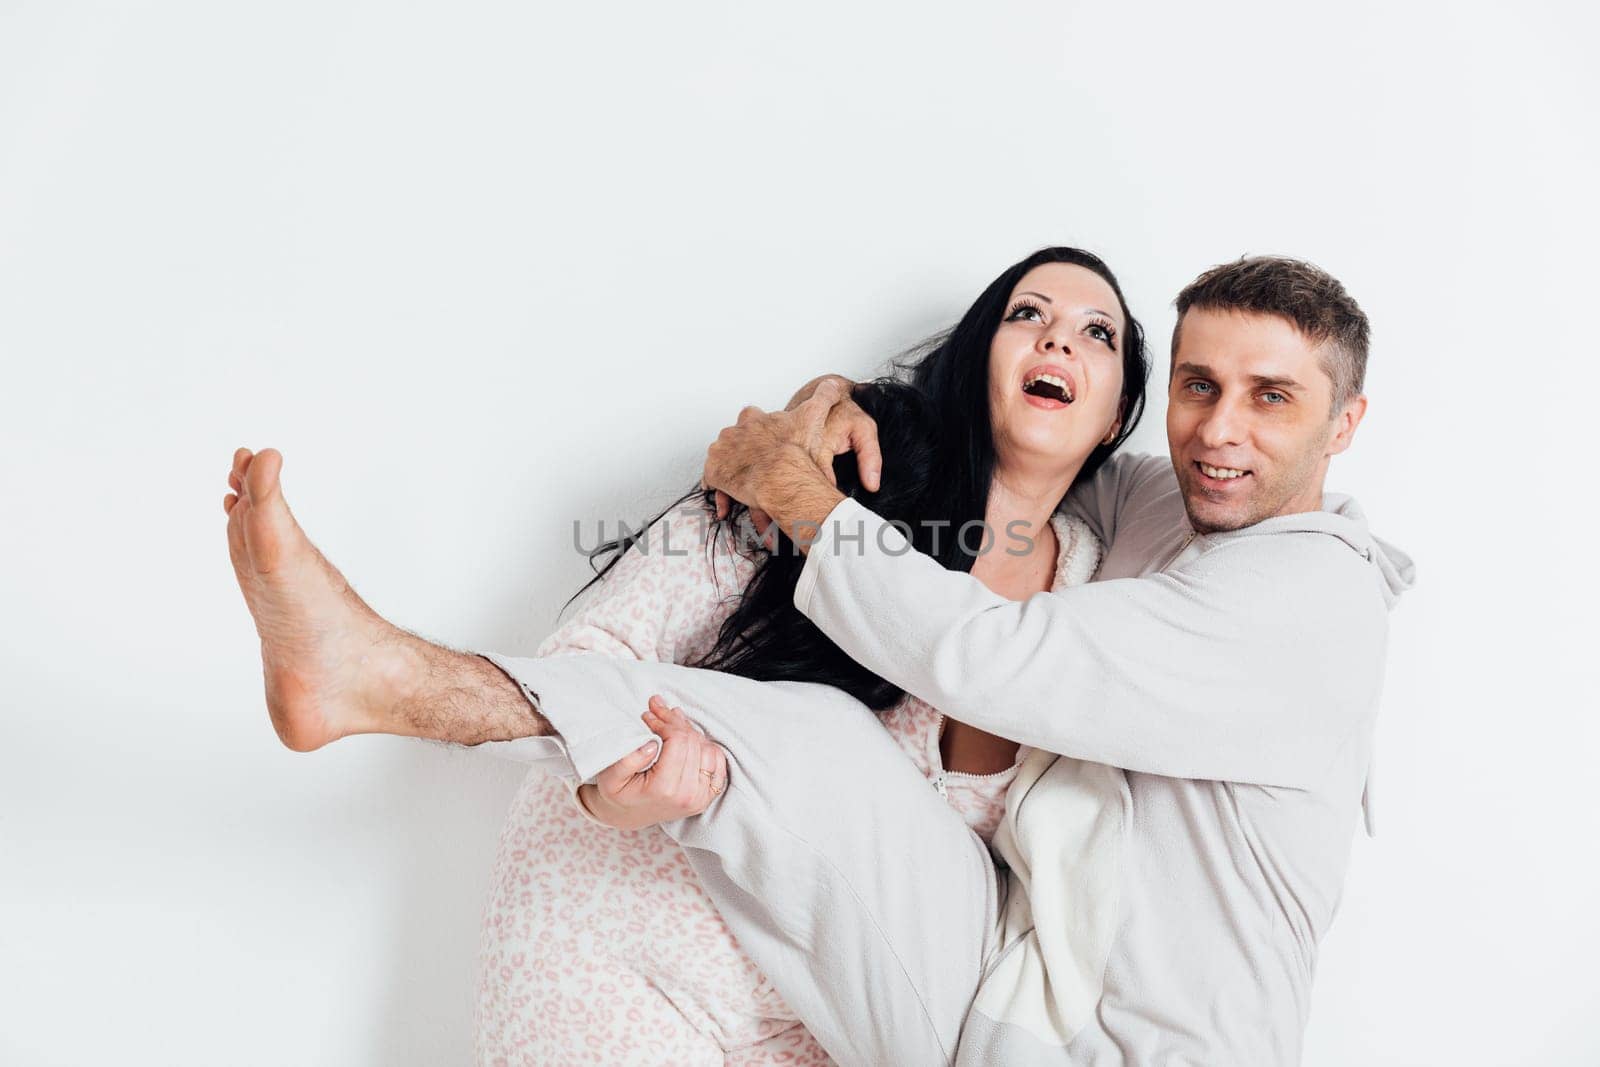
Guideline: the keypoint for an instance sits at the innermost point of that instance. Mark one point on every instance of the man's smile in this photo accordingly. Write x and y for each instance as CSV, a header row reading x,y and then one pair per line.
x,y
1220,478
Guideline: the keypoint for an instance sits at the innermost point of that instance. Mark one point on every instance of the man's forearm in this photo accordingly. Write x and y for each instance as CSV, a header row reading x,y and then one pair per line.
x,y
798,498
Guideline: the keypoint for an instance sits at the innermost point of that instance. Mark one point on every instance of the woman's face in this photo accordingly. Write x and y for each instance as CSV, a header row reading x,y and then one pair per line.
x,y
1055,368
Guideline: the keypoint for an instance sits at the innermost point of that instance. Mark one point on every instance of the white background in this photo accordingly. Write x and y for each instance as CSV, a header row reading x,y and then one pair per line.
x,y
481,269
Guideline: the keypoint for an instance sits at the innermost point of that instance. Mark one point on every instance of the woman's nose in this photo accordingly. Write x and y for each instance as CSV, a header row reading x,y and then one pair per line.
x,y
1054,346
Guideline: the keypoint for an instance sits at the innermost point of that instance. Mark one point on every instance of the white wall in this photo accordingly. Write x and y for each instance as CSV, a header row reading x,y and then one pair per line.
x,y
479,269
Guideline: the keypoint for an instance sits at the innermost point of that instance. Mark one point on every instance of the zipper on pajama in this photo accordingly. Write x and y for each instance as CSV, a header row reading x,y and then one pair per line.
x,y
942,776
1187,541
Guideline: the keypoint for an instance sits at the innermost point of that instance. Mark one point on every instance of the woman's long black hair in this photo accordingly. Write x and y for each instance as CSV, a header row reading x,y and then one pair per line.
x,y
938,462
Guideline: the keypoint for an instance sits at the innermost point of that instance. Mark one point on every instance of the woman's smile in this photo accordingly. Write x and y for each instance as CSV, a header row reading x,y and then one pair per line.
x,y
1050,386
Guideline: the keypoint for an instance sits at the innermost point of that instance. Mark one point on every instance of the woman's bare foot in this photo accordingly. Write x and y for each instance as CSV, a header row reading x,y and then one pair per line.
x,y
329,661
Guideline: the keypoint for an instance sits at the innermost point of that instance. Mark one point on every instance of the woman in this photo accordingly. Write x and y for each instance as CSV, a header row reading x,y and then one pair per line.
x,y
600,945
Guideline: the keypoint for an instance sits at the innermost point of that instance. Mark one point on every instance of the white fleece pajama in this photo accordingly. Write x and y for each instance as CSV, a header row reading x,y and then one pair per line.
x,y
601,946
1175,842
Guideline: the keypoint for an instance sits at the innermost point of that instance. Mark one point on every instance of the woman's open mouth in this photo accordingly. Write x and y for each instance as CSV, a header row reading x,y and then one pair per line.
x,y
1049,386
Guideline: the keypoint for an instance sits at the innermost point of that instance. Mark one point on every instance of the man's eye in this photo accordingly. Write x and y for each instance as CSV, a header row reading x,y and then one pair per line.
x,y
1203,388
1274,398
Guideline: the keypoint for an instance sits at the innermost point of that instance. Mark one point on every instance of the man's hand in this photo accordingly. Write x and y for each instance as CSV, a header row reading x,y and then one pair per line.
x,y
821,421
692,771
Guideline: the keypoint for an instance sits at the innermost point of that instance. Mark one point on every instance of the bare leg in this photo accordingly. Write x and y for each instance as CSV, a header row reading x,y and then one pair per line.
x,y
332,666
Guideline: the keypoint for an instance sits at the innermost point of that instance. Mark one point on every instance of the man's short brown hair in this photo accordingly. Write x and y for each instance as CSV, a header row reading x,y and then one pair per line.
x,y
1306,295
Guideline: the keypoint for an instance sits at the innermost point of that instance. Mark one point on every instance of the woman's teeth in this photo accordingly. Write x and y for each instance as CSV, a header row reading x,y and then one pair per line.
x,y
1221,472
1058,388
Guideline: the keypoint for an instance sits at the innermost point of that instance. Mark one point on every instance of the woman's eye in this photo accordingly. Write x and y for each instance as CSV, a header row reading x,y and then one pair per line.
x,y
1025,313
1102,333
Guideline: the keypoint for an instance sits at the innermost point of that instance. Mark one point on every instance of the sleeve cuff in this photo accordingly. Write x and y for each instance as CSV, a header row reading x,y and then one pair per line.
x,y
851,528
577,802
844,530
584,704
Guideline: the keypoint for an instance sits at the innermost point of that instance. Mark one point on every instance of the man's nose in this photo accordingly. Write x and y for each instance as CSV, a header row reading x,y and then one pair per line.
x,y
1223,425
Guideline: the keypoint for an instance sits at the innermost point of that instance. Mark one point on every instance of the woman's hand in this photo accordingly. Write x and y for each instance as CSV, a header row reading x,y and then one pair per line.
x,y
845,428
691,772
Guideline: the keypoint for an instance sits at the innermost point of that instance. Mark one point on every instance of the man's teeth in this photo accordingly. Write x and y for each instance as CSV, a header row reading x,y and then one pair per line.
x,y
1221,472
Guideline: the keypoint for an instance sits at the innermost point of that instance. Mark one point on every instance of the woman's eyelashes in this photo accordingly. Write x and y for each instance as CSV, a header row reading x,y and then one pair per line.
x,y
1025,311
1107,332
1099,329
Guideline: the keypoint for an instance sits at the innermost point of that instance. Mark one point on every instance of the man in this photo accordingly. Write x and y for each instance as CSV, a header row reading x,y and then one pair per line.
x,y
1235,682
1211,698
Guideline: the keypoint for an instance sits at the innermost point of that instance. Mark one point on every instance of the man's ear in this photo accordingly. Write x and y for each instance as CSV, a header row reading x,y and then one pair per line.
x,y
1345,423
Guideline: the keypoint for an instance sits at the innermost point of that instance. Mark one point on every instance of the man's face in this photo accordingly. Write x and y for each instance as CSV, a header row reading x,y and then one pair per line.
x,y
1248,419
